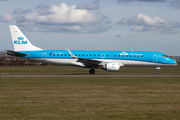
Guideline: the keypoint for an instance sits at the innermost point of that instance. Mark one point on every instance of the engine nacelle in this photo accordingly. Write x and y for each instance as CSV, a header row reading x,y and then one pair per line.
x,y
114,67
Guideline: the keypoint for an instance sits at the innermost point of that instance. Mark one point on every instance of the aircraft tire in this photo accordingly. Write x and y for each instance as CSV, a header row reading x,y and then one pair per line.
x,y
157,72
91,71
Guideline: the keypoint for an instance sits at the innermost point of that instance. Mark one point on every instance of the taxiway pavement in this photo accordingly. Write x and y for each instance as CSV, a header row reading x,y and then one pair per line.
x,y
87,75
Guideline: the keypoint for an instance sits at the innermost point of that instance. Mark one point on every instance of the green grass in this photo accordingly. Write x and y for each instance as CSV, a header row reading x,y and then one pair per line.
x,y
76,70
93,98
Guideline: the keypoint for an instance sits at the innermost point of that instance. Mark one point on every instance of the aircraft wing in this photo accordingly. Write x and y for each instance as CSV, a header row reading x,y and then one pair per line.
x,y
12,53
89,61
85,61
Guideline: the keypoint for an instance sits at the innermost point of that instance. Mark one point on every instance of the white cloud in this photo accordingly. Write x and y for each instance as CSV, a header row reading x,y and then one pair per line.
x,y
175,3
146,23
43,9
92,6
170,31
21,11
64,19
6,18
64,14
141,0
4,0
119,35
42,6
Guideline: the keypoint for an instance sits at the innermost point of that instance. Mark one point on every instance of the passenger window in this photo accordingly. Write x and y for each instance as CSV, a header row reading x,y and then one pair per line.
x,y
49,54
65,55
126,55
118,55
98,55
69,55
61,54
114,55
57,54
138,56
94,55
76,55
141,55
53,54
82,55
111,55
122,55
134,56
130,55
102,55
107,55
90,55
79,55
86,55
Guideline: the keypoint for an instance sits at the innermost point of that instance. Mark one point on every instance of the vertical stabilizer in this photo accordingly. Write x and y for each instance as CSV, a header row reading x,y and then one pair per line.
x,y
20,42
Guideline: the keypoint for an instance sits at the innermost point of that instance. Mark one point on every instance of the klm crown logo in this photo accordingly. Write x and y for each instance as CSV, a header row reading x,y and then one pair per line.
x,y
20,40
123,53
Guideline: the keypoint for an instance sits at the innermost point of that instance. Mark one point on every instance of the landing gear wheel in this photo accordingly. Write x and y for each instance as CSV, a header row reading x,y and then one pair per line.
x,y
157,72
91,71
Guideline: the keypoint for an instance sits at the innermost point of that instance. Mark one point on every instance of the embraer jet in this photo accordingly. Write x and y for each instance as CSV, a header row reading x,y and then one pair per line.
x,y
106,60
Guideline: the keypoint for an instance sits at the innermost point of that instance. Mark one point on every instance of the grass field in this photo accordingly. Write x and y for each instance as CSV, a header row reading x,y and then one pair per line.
x,y
76,70
92,98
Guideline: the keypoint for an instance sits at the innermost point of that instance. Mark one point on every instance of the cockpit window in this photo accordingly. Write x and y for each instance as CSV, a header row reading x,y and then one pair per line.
x,y
164,56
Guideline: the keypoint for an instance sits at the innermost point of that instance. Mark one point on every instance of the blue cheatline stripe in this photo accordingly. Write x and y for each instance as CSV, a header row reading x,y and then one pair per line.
x,y
144,56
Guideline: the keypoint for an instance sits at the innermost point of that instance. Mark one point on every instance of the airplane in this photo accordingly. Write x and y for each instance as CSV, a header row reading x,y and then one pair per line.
x,y
93,59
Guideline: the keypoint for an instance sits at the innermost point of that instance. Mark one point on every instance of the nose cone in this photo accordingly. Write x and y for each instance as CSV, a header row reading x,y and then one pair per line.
x,y
173,62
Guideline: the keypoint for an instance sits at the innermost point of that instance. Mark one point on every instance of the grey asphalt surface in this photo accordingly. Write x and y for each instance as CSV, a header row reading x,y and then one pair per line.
x,y
86,75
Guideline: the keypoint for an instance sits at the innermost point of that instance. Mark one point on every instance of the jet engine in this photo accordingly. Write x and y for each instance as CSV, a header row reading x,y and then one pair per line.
x,y
114,67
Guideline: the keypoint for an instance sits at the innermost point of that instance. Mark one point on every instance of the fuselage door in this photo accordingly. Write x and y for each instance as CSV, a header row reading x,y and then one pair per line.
x,y
44,56
155,58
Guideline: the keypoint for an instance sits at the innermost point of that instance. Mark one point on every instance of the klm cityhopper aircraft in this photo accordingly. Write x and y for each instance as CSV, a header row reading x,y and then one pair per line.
x,y
106,60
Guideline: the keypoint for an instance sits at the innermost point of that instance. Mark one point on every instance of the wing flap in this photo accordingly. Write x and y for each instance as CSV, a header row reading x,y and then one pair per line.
x,y
89,61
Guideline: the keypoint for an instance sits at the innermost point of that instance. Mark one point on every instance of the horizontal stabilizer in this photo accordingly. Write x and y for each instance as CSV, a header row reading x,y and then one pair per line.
x,y
13,53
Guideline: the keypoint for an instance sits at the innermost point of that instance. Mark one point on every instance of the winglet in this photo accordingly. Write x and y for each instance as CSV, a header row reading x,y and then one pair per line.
x,y
72,55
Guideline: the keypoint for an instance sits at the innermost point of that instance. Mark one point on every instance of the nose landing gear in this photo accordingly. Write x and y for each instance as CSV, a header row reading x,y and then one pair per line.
x,y
157,70
91,71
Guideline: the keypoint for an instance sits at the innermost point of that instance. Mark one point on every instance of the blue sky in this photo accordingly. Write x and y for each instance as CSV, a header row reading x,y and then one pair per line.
x,y
142,25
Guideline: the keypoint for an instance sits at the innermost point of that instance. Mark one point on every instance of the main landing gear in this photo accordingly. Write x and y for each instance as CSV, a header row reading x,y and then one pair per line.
x,y
91,71
157,70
